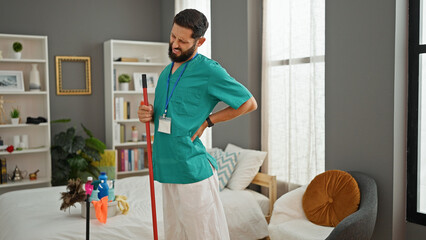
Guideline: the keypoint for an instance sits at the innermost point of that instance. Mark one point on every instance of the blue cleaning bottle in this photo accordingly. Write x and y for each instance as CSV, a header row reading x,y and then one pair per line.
x,y
103,189
103,176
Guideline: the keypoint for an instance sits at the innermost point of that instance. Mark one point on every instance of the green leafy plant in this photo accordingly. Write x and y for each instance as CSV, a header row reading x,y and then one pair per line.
x,y
124,78
72,154
17,46
15,113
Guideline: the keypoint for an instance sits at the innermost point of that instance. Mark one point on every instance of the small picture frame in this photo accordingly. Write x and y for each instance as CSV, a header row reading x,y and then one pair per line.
x,y
151,80
11,81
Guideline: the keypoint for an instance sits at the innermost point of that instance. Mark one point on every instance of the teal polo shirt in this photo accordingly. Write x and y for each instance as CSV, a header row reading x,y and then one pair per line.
x,y
204,83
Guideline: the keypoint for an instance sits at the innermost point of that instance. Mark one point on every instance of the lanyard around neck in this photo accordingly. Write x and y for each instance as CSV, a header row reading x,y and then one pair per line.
x,y
174,87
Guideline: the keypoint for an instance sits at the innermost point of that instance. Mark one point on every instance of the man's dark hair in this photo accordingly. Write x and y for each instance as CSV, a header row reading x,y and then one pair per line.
x,y
192,19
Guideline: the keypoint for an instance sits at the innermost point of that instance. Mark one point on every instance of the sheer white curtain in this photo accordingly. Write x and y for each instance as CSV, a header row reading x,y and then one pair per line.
x,y
293,89
204,7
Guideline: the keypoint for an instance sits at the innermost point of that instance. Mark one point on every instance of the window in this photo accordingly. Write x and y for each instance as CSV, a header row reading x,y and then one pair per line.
x,y
293,102
416,135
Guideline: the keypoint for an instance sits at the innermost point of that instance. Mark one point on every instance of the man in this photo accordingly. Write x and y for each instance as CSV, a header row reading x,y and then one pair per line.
x,y
187,91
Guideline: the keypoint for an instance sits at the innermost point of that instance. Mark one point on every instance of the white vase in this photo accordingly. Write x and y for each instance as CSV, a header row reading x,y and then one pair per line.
x,y
34,79
15,121
16,55
16,141
24,141
124,86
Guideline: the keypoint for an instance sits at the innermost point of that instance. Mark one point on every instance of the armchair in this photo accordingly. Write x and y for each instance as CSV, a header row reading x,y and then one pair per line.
x,y
289,222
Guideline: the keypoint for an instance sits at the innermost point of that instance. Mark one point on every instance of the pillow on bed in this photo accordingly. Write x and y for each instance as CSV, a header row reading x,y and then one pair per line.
x,y
226,163
248,165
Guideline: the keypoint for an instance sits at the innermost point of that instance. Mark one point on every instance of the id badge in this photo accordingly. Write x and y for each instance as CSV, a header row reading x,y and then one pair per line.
x,y
165,125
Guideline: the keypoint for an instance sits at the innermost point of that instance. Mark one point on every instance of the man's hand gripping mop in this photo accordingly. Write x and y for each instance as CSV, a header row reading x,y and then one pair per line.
x,y
151,173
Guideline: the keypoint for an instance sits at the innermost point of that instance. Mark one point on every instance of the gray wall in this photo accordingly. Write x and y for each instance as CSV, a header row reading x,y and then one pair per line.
x,y
79,28
365,100
167,14
236,45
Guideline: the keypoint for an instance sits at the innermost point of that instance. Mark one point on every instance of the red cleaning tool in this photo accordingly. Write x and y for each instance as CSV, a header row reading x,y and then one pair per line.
x,y
149,149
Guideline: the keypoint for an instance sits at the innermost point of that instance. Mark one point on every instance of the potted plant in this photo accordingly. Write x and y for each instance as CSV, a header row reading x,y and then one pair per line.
x,y
14,116
17,49
124,80
72,154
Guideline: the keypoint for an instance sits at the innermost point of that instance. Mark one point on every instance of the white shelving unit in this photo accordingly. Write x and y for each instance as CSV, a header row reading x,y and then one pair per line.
x,y
30,104
152,58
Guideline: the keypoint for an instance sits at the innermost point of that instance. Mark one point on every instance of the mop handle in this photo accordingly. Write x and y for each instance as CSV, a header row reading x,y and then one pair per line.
x,y
151,173
87,217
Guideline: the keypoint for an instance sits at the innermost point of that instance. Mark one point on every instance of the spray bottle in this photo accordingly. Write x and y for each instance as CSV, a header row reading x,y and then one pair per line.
x,y
88,186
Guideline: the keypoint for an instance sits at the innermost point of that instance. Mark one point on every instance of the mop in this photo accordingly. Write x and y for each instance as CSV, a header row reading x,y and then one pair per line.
x,y
151,174
87,217
149,149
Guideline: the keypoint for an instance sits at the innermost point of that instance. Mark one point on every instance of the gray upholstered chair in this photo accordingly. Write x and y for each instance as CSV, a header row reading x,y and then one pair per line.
x,y
288,220
360,224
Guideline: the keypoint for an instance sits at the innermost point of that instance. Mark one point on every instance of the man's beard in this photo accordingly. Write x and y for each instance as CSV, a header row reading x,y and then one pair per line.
x,y
183,56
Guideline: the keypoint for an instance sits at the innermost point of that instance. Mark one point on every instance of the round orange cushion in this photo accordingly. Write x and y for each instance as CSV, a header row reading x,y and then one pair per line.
x,y
330,197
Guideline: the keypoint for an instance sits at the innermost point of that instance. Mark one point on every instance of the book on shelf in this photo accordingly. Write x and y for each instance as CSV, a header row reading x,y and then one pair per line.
x,y
126,160
3,168
141,153
115,79
119,111
121,160
122,133
131,159
124,110
135,159
127,110
126,59
118,163
117,133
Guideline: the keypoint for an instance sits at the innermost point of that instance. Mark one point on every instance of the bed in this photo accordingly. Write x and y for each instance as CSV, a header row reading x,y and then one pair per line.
x,y
35,214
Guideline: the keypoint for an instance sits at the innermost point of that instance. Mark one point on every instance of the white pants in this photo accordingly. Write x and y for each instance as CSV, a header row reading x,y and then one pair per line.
x,y
194,211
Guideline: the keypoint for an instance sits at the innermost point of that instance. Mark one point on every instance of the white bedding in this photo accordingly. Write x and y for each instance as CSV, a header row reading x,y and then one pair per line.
x,y
289,222
261,199
35,214
238,206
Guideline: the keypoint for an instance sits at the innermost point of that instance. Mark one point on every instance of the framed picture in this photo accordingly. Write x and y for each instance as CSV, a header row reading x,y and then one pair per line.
x,y
11,81
73,76
151,80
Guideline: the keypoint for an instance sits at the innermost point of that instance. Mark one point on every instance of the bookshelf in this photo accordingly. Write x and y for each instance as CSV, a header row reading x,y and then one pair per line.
x,y
148,57
31,104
